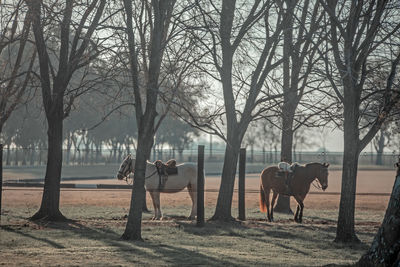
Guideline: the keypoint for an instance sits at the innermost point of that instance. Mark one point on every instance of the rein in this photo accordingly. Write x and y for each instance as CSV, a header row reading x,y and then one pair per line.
x,y
151,175
318,186
126,180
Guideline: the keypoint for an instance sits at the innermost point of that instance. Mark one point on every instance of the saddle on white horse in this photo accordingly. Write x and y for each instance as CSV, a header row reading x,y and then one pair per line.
x,y
164,170
167,168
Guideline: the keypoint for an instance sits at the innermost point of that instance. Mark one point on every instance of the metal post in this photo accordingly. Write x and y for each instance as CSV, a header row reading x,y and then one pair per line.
x,y
200,186
1,176
242,174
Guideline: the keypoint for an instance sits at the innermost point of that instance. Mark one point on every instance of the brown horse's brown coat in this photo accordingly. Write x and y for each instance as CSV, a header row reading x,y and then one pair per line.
x,y
300,186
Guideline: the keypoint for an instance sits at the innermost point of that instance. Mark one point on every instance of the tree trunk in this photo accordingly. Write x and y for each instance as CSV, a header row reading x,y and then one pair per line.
x,y
40,155
180,153
8,155
49,209
224,203
345,228
32,155
380,147
385,249
91,153
16,156
252,153
283,204
87,151
24,154
133,229
263,152
97,153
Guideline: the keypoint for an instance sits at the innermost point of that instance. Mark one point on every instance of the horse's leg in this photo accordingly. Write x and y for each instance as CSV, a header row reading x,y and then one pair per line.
x,y
193,195
274,196
266,192
155,196
299,212
154,203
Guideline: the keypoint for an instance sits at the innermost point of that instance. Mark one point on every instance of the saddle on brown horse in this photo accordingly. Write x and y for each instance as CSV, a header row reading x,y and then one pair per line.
x,y
288,176
164,170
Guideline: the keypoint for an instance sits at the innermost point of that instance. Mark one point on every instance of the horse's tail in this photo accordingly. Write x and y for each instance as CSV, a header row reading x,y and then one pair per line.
x,y
263,205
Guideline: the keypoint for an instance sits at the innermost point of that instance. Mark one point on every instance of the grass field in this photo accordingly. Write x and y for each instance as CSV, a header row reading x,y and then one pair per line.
x,y
92,237
98,218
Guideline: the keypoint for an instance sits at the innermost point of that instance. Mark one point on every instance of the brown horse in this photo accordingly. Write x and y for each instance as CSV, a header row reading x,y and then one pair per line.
x,y
300,185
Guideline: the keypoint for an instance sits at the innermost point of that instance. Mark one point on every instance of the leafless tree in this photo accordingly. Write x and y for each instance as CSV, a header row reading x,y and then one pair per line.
x,y
17,57
362,36
241,40
385,249
74,46
161,58
302,37
380,141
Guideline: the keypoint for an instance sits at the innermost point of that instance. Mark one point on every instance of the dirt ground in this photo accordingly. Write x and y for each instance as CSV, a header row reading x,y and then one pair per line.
x,y
373,188
92,238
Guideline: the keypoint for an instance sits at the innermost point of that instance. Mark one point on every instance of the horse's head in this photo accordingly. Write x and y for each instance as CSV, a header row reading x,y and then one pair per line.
x,y
322,175
127,166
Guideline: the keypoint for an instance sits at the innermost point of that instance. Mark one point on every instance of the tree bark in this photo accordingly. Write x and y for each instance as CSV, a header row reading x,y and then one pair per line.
x,y
133,229
385,248
283,204
145,117
380,147
349,23
53,93
50,206
224,203
345,227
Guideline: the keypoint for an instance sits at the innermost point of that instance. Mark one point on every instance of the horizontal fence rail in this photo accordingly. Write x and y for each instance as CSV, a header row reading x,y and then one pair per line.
x,y
90,187
13,156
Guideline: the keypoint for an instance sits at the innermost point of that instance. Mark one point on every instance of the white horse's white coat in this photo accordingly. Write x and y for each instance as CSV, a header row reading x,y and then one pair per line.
x,y
186,178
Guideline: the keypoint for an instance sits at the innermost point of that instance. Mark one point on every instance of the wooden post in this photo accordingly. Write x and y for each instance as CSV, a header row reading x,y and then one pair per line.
x,y
242,174
1,176
200,186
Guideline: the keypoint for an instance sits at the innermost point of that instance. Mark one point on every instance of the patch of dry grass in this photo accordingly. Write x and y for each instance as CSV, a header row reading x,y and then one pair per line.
x,y
93,238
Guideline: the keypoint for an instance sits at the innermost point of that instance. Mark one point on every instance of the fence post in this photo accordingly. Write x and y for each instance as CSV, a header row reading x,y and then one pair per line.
x,y
1,176
242,174
200,186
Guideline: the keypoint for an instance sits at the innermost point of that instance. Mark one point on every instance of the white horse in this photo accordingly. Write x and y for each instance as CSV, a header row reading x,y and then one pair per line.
x,y
186,178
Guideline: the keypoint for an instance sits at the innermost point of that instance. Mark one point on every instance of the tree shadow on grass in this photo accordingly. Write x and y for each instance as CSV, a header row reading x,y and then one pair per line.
x,y
132,251
238,229
45,240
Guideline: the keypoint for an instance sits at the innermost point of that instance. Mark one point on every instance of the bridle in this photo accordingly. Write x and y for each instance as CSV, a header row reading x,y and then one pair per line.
x,y
318,185
127,170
